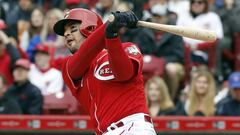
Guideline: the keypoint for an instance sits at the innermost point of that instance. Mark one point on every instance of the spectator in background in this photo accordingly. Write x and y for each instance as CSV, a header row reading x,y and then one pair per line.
x,y
178,6
49,80
238,3
31,36
184,94
164,45
23,91
7,104
8,55
230,105
48,4
199,16
229,15
70,4
201,96
21,11
48,36
183,97
2,13
222,92
138,7
104,8
158,98
124,6
18,17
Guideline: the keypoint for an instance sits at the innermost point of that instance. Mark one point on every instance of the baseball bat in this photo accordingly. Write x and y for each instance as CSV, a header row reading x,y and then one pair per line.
x,y
190,32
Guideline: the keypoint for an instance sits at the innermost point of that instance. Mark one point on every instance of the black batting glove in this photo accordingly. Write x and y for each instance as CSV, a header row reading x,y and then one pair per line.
x,y
121,19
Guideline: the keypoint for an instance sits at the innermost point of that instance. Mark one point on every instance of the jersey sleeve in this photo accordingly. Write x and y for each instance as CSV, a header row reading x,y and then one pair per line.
x,y
73,86
134,54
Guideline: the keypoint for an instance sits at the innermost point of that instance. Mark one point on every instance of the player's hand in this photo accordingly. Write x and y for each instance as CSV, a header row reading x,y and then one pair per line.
x,y
121,19
127,19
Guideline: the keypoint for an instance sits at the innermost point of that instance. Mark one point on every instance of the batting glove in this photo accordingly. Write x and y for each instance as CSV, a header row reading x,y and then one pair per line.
x,y
121,19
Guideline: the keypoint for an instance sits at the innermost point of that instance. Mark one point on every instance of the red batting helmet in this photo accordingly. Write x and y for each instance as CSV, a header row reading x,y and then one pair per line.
x,y
88,19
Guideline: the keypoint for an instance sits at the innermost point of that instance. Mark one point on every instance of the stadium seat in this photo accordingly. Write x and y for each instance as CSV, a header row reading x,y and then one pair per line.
x,y
61,103
153,65
210,48
237,51
234,55
187,62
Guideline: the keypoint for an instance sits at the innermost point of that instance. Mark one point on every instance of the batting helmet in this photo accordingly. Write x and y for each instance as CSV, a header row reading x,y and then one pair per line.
x,y
88,19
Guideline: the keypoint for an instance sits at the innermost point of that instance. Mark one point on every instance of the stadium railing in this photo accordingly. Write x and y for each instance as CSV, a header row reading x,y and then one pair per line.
x,y
80,125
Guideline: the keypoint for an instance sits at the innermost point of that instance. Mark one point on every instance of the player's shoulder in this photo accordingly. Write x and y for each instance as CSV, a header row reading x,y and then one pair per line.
x,y
64,62
64,59
131,48
126,44
102,55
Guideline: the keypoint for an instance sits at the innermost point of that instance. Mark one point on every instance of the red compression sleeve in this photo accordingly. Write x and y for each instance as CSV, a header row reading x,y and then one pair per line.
x,y
121,64
81,60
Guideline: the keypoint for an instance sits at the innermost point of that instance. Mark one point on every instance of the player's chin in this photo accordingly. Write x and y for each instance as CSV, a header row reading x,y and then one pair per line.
x,y
72,50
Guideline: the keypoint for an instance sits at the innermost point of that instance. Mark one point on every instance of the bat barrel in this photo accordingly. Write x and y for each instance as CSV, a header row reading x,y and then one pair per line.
x,y
190,32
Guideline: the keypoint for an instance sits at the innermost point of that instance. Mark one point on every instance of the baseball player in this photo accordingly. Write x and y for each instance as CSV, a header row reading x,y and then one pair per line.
x,y
104,74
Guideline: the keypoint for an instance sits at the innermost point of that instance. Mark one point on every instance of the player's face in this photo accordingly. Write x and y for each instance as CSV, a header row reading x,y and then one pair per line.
x,y
73,37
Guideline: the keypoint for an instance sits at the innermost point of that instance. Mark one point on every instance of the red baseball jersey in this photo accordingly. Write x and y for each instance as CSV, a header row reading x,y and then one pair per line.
x,y
105,99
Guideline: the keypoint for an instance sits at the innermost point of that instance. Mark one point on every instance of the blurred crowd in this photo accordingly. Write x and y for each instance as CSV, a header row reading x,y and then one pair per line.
x,y
182,76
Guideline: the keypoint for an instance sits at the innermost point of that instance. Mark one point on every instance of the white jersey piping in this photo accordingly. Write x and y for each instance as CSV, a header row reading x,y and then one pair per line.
x,y
95,109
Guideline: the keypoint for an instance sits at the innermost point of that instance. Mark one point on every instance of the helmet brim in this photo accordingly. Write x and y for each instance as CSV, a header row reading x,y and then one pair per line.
x,y
59,26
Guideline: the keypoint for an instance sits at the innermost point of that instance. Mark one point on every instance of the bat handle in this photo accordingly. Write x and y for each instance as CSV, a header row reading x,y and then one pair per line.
x,y
111,18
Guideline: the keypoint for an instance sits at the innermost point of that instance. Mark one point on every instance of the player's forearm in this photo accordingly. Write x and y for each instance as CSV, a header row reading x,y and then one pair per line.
x,y
80,61
120,63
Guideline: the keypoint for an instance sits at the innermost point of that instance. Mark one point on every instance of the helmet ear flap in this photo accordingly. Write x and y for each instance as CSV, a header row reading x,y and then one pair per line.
x,y
87,31
90,28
